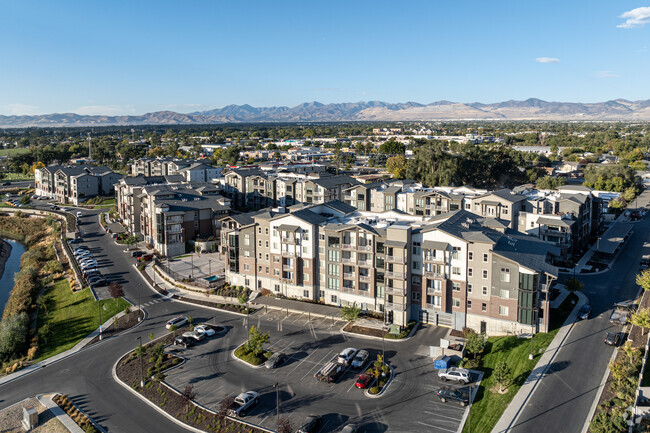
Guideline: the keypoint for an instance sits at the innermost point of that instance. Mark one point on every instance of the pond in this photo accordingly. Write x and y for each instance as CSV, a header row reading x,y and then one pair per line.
x,y
11,268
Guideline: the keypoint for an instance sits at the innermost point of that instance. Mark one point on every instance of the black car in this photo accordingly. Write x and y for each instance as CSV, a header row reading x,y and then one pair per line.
x,y
311,424
99,283
76,241
137,253
613,339
275,360
183,342
460,395
6,183
584,312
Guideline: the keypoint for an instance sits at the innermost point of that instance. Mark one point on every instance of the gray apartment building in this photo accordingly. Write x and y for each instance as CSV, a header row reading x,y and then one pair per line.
x,y
75,183
455,269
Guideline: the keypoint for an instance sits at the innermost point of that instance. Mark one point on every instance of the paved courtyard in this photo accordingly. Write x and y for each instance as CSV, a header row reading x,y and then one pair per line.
x,y
197,265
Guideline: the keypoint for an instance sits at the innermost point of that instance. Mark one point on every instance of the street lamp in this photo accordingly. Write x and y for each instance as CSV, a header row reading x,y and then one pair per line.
x,y
277,403
140,302
99,308
141,364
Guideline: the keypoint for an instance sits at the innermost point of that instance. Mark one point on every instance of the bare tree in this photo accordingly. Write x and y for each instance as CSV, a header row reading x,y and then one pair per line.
x,y
188,395
285,425
116,290
224,406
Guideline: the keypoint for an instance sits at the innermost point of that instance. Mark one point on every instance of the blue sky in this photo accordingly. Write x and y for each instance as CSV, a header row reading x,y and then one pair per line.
x,y
132,57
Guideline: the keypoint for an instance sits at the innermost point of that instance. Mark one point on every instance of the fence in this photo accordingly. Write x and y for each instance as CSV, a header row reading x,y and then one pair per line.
x,y
180,278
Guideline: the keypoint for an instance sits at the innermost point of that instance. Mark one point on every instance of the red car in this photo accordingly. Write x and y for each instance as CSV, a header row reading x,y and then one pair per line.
x,y
364,381
145,258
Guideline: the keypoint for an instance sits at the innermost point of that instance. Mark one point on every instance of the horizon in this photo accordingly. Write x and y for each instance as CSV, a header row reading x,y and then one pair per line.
x,y
129,59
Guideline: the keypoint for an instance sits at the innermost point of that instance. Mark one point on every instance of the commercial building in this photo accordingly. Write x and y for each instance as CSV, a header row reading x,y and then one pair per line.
x,y
454,269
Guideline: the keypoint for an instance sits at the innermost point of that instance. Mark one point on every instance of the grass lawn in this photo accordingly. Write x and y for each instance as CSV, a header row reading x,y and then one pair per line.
x,y
13,152
489,406
72,316
18,176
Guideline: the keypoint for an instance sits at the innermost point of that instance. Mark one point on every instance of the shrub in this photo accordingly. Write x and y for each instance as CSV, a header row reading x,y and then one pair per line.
x,y
13,335
374,390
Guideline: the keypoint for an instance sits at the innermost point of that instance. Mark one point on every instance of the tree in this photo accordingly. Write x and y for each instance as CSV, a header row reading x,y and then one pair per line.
x,y
629,193
285,425
255,341
188,395
641,319
502,376
643,279
574,285
392,147
173,329
473,342
116,291
224,407
131,240
397,166
351,312
25,200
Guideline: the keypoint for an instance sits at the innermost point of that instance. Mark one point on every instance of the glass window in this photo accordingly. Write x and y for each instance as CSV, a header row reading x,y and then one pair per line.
x,y
456,302
470,271
505,275
469,303
483,306
484,290
485,258
470,256
333,255
455,287
455,270
504,293
503,311
333,241
485,273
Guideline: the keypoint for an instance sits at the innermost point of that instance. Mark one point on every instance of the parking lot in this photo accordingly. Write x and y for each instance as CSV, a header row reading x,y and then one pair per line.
x,y
409,404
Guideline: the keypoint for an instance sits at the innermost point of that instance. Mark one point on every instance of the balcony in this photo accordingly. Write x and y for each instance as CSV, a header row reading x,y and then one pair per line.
x,y
288,253
394,307
289,240
364,247
395,259
348,290
349,275
365,278
347,246
348,260
287,268
433,291
391,274
432,274
434,259
394,291
348,197
364,263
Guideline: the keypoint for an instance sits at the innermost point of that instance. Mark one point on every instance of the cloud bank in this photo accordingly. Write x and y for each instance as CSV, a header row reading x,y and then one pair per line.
x,y
635,18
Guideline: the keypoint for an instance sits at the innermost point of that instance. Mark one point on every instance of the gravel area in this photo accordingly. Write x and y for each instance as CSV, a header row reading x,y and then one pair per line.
x,y
11,417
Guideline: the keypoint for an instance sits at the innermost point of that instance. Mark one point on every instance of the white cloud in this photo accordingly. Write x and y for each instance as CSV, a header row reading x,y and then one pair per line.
x,y
547,60
108,110
606,74
19,109
635,18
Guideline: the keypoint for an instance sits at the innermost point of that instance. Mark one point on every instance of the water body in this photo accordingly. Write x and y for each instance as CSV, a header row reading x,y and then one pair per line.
x,y
11,268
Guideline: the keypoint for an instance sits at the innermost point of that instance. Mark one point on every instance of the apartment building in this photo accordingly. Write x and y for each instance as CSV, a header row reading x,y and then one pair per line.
x,y
453,269
192,170
76,183
172,216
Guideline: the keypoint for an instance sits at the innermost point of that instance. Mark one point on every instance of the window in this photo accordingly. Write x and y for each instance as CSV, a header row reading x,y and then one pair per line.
x,y
305,264
276,272
276,259
259,230
333,269
266,257
333,283
305,236
246,267
247,239
415,296
321,236
415,279
485,274
267,269
470,255
305,250
455,287
470,271
504,211
456,302
259,243
305,293
333,255
266,231
483,306
485,258
484,290
333,241
469,303
275,245
260,256
505,275
455,253
276,287
504,293
247,253
416,265
416,248
306,277
455,270
503,311
266,244
334,299
469,288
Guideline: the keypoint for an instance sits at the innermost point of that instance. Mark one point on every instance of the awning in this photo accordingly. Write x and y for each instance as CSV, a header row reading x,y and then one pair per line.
x,y
287,228
398,244
435,245
555,222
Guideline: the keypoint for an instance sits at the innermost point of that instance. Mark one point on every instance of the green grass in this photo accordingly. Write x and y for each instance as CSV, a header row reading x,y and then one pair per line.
x,y
489,406
13,152
72,316
17,176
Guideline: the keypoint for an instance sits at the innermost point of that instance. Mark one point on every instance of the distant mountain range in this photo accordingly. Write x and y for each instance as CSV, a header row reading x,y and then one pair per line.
x,y
530,109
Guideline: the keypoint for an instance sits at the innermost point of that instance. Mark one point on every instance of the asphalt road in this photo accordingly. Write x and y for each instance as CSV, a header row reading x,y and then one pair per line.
x,y
86,376
564,398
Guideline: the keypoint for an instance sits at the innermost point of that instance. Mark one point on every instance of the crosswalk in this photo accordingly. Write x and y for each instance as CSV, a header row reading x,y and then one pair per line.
x,y
155,301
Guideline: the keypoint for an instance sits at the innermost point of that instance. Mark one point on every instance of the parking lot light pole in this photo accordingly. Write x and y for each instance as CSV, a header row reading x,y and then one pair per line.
x,y
141,364
140,302
277,404
99,308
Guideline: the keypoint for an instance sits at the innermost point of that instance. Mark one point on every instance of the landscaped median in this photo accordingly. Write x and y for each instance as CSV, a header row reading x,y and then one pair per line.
x,y
176,404
252,352
383,374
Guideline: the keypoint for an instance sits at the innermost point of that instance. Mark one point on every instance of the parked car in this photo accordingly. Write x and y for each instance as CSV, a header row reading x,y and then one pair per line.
x,y
275,360
613,338
205,330
99,283
346,355
364,381
81,250
79,214
54,207
88,272
93,277
75,241
88,264
6,183
584,312
145,258
311,424
178,321
183,342
194,335
83,256
454,373
350,428
243,402
461,395
360,359
137,253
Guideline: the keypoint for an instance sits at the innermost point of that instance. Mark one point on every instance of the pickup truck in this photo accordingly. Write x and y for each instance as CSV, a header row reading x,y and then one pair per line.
x,y
621,313
242,403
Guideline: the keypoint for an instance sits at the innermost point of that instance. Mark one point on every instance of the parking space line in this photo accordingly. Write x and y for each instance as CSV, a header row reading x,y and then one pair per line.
x,y
317,364
436,427
454,419
299,317
300,363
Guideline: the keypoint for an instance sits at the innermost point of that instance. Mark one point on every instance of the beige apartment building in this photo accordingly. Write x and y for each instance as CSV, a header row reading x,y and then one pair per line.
x,y
452,270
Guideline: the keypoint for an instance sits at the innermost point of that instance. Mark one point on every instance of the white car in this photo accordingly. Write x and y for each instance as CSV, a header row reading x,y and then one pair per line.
x,y
79,214
178,321
360,359
205,330
243,402
194,335
346,355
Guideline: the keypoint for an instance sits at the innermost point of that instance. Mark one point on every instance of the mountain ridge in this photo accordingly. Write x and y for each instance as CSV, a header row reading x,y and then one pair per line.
x,y
529,109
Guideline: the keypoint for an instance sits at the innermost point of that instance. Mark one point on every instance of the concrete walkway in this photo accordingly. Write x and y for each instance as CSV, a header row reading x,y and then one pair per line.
x,y
519,402
64,418
289,305
79,346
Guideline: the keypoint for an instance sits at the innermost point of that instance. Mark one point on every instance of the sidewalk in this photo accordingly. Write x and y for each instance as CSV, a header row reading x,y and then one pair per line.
x,y
299,307
64,418
517,405
79,346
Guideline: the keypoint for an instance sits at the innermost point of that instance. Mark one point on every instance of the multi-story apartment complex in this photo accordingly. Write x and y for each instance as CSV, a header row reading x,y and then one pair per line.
x,y
253,189
75,183
452,269
191,169
174,215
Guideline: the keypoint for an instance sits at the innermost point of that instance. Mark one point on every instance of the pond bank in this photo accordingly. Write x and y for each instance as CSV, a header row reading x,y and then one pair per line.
x,y
10,254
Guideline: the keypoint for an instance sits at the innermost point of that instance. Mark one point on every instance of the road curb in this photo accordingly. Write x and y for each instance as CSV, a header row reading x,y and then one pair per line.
x,y
372,337
383,390
233,356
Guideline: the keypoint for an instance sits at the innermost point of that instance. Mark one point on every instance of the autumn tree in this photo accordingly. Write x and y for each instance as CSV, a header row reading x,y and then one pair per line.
x,y
503,376
643,279
397,166
641,319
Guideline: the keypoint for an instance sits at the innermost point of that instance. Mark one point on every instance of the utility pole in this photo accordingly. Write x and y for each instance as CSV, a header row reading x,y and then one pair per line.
x,y
89,157
140,302
141,364
99,308
277,404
